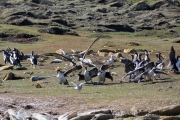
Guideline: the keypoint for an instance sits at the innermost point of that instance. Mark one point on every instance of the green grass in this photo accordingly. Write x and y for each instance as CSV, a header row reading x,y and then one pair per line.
x,y
160,93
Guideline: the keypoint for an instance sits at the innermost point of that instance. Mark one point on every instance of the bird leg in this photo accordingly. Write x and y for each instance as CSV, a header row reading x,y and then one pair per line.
x,y
78,91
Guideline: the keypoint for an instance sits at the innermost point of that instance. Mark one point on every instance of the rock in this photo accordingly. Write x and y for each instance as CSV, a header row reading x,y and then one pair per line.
x,y
102,116
107,50
117,55
137,112
142,5
170,117
98,112
40,116
37,85
129,50
124,114
168,111
67,116
84,117
9,76
102,54
22,113
148,117
11,112
6,68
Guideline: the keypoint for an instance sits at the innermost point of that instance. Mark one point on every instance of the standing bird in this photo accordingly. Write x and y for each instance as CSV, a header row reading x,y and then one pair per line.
x,y
6,56
14,61
88,74
61,77
147,58
33,60
78,87
102,74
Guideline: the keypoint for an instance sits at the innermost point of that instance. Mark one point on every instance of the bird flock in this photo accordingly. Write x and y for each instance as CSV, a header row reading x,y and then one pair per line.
x,y
138,68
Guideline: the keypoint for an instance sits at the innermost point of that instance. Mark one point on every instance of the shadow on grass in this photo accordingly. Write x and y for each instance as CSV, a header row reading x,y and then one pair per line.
x,y
164,80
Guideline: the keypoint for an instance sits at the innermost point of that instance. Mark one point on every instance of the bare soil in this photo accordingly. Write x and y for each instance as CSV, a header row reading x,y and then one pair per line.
x,y
54,106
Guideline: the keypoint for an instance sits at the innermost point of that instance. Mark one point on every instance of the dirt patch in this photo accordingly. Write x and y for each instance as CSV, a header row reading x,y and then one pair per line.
x,y
56,106
19,38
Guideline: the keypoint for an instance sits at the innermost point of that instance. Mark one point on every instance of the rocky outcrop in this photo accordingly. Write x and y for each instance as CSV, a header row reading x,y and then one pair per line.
x,y
166,113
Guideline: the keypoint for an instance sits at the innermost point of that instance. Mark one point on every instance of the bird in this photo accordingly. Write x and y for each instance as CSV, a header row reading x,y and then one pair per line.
x,y
137,71
79,65
174,62
78,87
147,58
88,74
14,61
33,59
102,74
110,61
61,77
6,57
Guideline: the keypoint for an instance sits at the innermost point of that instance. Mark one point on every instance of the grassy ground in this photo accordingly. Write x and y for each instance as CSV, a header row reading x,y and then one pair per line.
x,y
146,94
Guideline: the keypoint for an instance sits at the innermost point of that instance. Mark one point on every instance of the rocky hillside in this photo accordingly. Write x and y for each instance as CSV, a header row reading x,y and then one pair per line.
x,y
65,16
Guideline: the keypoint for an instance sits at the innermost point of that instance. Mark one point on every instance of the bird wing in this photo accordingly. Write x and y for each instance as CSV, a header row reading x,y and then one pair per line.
x,y
150,65
93,72
161,72
69,71
108,75
81,77
172,55
138,77
104,67
131,72
91,46
125,61
75,84
129,67
81,84
68,59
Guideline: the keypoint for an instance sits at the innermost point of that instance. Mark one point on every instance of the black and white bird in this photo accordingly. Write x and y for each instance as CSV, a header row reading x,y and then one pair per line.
x,y
14,61
6,57
103,74
136,71
61,77
174,62
147,58
88,74
78,87
12,56
33,60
